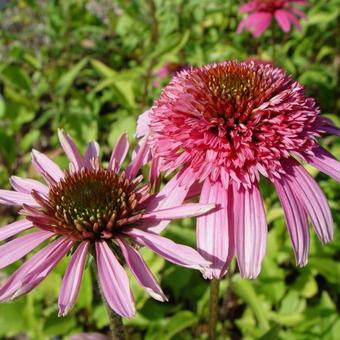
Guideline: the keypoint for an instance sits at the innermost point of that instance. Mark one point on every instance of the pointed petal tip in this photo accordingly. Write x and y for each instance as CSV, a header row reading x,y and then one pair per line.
x,y
158,297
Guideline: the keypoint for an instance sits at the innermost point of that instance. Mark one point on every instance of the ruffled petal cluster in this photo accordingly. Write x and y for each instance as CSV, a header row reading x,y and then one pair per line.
x,y
262,12
224,125
91,211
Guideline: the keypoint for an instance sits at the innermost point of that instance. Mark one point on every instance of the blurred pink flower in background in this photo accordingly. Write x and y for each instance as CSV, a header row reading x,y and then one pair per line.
x,y
226,124
92,210
169,69
262,12
89,336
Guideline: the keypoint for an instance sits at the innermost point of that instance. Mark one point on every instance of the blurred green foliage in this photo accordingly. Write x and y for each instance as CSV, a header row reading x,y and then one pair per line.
x,y
89,66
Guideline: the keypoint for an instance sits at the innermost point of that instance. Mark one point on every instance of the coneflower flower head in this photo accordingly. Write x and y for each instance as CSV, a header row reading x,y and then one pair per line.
x,y
225,124
262,12
86,207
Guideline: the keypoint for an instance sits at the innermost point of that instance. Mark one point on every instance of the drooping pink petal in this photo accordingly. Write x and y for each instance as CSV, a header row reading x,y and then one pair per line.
x,y
282,18
141,271
14,228
323,161
27,185
213,231
114,281
8,197
173,194
70,149
313,199
256,23
72,279
143,124
91,154
119,152
20,246
182,211
194,191
248,7
171,251
296,219
34,270
139,160
250,230
46,166
154,174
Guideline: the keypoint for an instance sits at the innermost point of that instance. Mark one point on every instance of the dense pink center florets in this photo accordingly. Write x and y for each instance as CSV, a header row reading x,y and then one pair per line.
x,y
232,119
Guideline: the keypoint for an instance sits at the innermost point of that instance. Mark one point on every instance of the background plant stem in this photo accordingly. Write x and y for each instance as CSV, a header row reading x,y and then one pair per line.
x,y
213,308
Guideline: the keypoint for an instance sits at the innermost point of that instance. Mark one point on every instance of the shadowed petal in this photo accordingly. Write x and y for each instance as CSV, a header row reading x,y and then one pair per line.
x,y
141,271
119,152
72,279
173,194
323,161
8,197
296,220
313,199
91,154
282,19
34,270
27,185
114,281
14,250
70,149
182,211
213,238
14,228
250,230
171,251
143,124
46,166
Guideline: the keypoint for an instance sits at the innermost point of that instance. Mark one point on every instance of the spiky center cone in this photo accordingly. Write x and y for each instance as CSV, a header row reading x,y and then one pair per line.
x,y
89,204
232,119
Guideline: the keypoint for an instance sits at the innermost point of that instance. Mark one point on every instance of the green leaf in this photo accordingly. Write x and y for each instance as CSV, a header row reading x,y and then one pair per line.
x,y
66,80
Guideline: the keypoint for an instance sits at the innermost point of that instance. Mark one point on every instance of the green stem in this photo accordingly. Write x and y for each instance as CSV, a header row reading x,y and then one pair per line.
x,y
273,45
213,308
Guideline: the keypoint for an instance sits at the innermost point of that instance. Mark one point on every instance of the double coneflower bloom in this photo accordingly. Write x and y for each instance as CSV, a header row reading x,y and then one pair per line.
x,y
226,125
88,209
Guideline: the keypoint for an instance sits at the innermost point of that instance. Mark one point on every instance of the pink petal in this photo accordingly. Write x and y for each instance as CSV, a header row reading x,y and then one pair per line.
x,y
70,149
27,185
91,155
323,161
171,251
296,220
8,197
182,211
250,230
173,194
14,228
256,23
34,270
89,336
143,124
139,160
72,279
114,281
19,247
213,230
248,7
45,166
313,199
194,191
141,271
119,153
282,19
155,170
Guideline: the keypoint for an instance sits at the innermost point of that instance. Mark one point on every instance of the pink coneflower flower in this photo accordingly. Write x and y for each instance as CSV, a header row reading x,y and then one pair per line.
x,y
262,12
89,209
224,125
